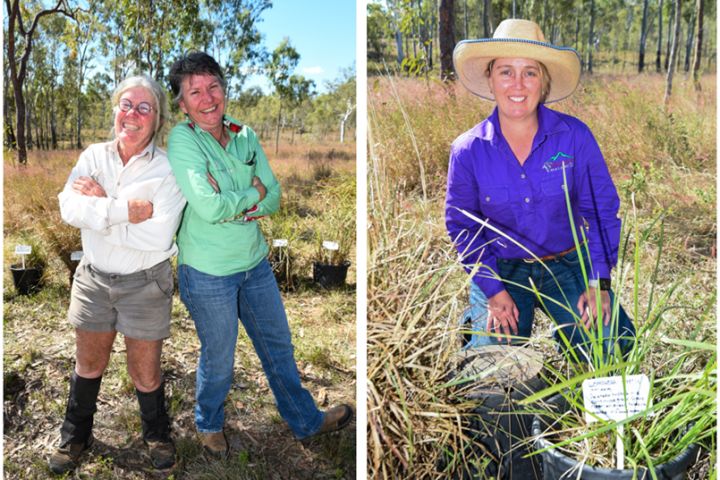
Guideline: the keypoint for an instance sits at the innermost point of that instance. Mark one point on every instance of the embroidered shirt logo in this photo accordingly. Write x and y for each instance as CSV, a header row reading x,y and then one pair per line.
x,y
557,161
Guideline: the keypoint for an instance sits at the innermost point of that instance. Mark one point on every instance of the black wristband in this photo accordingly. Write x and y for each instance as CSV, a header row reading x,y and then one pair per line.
x,y
604,283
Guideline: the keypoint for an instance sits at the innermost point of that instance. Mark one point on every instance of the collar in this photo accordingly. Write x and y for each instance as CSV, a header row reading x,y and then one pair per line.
x,y
230,123
148,150
549,123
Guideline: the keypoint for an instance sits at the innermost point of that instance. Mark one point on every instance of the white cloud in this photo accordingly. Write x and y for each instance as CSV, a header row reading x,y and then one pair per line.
x,y
313,71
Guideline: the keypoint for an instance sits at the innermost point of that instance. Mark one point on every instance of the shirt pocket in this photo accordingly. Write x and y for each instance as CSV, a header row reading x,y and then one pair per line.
x,y
232,176
494,203
555,186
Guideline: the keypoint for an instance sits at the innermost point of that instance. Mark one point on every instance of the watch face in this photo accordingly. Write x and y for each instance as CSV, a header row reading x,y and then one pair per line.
x,y
604,284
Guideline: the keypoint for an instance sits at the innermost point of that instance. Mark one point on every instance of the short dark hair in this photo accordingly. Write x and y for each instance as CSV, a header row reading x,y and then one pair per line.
x,y
193,63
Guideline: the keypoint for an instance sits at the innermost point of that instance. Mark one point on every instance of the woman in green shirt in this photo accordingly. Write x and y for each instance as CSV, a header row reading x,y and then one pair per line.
x,y
223,271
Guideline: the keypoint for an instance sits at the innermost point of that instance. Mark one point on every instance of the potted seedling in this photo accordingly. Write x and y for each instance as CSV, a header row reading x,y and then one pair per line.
x,y
637,414
28,271
282,263
282,228
330,268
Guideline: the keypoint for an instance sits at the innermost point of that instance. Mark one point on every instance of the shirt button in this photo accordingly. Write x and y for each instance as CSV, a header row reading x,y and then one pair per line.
x,y
527,199
487,199
522,175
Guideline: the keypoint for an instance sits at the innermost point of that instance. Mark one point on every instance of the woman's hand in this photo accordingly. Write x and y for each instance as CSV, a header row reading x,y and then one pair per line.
x,y
88,187
502,315
258,184
587,303
139,210
213,182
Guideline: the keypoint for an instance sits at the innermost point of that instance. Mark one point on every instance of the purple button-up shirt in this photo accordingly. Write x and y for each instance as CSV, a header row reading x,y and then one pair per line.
x,y
527,202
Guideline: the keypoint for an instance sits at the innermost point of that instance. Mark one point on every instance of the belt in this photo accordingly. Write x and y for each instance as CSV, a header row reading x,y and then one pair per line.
x,y
554,256
148,274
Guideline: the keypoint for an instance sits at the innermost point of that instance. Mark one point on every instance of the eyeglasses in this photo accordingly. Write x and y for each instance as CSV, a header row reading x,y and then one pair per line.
x,y
143,108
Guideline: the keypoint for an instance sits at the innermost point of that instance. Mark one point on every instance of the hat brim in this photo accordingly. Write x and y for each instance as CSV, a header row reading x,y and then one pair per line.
x,y
471,58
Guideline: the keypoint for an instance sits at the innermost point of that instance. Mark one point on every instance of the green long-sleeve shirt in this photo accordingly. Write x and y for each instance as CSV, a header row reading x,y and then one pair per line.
x,y
214,236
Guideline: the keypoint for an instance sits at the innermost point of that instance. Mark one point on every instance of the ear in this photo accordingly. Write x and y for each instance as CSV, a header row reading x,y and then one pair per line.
x,y
181,104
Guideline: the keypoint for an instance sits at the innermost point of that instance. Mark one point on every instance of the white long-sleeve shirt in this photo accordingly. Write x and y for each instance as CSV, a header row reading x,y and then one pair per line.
x,y
110,242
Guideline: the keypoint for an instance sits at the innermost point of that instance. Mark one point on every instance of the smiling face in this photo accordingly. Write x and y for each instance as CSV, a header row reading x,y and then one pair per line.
x,y
203,99
517,86
132,129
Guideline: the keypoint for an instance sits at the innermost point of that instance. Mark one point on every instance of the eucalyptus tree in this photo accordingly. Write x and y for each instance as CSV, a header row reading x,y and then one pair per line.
x,y
446,35
291,89
674,50
23,21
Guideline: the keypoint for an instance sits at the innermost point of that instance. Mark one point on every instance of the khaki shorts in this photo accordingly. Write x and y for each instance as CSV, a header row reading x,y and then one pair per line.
x,y
136,305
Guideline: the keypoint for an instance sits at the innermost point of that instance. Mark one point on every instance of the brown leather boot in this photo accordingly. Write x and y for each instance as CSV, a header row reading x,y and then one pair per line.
x,y
215,444
65,458
335,419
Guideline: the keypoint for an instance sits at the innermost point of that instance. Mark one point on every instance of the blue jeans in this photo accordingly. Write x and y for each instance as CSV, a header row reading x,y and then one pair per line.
x,y
215,304
565,288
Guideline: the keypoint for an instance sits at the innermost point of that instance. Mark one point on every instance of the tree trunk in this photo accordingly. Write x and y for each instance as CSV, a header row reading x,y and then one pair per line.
x,y
689,43
591,35
698,44
643,37
487,19
658,56
399,44
446,36
277,129
466,34
673,51
671,21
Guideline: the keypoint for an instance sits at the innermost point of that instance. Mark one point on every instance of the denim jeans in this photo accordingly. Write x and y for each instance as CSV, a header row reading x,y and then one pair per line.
x,y
215,304
566,288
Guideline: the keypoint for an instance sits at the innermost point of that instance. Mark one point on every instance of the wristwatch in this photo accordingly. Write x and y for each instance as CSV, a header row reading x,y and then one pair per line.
x,y
603,283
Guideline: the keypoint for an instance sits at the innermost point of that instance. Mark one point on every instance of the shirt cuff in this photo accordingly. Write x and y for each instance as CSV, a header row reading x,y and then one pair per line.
x,y
601,270
117,211
489,286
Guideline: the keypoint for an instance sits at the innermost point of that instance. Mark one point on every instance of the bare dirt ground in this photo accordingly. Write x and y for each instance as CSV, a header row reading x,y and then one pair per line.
x,y
39,356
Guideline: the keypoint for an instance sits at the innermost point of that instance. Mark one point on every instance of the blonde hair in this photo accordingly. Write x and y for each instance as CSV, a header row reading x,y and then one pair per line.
x,y
544,78
157,92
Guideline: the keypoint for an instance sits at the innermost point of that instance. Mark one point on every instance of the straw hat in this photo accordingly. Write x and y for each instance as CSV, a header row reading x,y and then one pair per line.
x,y
516,39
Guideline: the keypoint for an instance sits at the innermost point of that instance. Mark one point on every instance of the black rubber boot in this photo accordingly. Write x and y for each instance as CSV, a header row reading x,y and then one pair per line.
x,y
76,430
81,406
156,427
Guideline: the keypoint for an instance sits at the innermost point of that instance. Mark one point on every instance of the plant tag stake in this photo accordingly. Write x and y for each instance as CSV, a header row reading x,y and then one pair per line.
x,y
76,256
23,250
614,399
330,245
280,242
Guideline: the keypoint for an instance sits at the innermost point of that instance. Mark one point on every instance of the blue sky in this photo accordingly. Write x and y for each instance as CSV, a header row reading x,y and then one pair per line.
x,y
322,31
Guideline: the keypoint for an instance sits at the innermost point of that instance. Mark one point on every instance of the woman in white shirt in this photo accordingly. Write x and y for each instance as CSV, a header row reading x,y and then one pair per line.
x,y
122,195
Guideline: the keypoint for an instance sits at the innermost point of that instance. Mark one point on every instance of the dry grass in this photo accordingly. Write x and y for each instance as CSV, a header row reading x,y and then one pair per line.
x,y
665,163
39,348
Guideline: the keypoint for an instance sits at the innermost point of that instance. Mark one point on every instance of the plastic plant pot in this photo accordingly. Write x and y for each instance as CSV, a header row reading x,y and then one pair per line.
x,y
557,465
27,280
330,276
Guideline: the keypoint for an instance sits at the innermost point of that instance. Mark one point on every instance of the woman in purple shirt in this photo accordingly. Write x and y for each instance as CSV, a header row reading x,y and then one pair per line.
x,y
506,208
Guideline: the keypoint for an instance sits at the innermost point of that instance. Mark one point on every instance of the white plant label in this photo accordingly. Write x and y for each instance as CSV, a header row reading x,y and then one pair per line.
x,y
330,245
605,398
76,255
280,242
23,249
